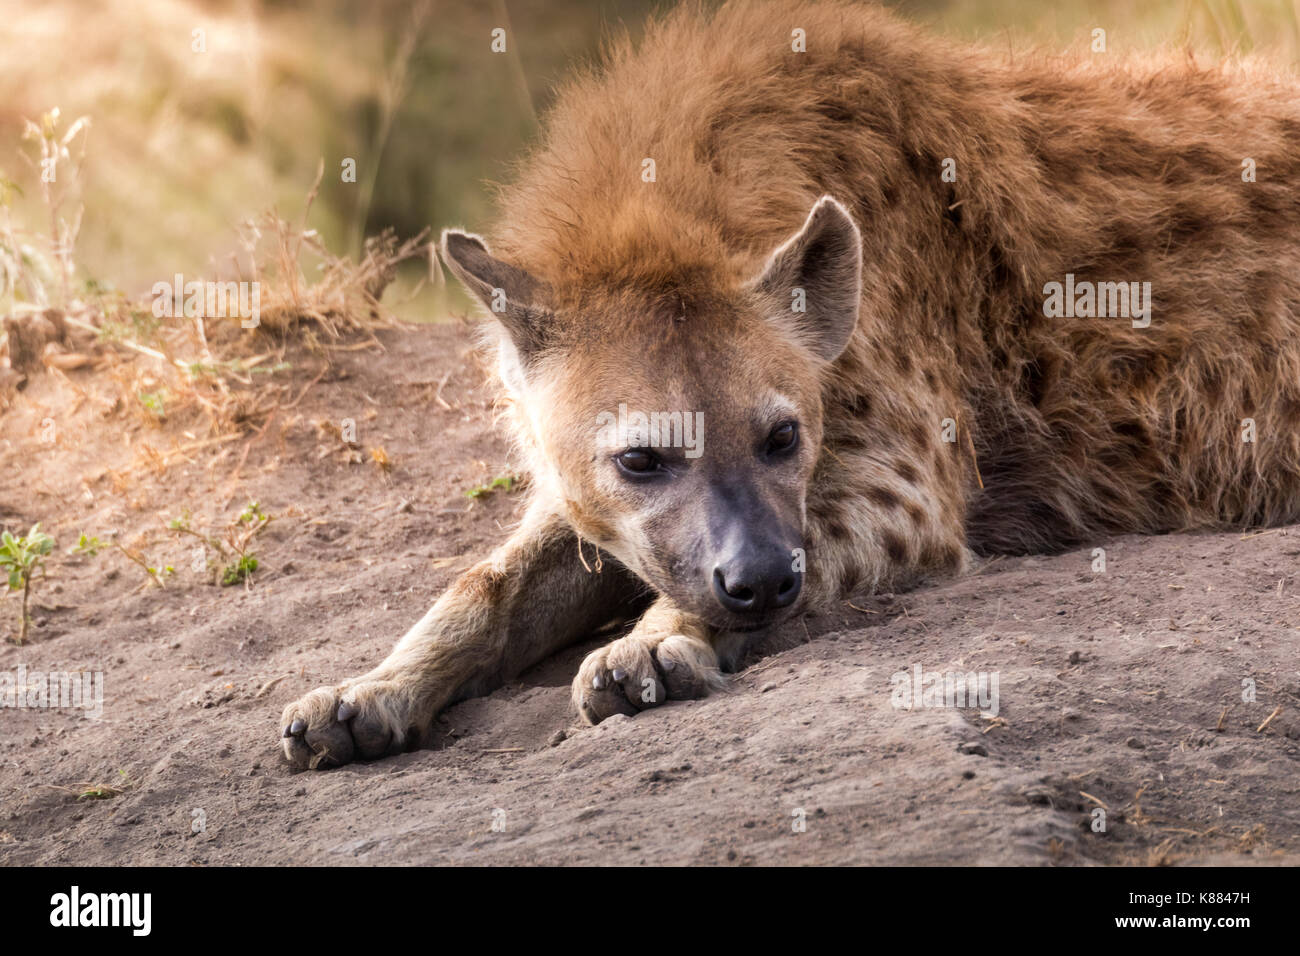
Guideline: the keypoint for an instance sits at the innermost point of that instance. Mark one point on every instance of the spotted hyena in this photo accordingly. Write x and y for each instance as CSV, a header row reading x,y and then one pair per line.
x,y
795,300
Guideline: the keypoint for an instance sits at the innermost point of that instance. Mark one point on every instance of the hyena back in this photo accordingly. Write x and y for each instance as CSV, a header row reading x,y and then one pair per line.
x,y
854,253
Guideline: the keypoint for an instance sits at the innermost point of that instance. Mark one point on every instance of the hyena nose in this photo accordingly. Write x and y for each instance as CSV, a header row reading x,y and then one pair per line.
x,y
749,587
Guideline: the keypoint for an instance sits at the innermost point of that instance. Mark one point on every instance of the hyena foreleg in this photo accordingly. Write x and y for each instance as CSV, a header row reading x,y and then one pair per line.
x,y
532,597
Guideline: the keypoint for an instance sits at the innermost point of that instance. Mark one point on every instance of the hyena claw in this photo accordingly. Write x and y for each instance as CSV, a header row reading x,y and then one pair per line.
x,y
642,670
323,729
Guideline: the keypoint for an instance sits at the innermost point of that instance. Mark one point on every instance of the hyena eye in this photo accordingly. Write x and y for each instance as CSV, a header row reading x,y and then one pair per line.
x,y
782,438
637,461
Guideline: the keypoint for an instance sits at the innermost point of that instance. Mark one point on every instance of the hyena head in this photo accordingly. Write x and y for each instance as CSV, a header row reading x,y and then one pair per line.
x,y
680,424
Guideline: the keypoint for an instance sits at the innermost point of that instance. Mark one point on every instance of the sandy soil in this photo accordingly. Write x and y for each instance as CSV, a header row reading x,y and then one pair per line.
x,y
1119,690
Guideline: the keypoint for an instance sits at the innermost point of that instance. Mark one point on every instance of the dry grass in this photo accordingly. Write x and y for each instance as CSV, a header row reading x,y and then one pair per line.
x,y
210,373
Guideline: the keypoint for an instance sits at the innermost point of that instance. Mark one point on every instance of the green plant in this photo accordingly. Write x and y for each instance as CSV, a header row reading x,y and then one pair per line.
x,y
88,546
157,575
500,483
156,402
20,558
234,562
241,570
103,791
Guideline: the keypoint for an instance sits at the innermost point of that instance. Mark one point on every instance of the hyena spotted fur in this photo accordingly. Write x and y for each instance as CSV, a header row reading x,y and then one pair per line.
x,y
922,406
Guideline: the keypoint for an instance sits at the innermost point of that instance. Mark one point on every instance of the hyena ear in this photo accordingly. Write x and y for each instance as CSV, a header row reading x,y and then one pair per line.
x,y
813,281
510,294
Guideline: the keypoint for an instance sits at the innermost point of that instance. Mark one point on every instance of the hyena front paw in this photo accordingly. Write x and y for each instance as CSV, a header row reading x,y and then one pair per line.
x,y
359,719
639,671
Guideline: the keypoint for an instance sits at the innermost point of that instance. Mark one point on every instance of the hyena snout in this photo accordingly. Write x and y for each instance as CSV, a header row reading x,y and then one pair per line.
x,y
756,580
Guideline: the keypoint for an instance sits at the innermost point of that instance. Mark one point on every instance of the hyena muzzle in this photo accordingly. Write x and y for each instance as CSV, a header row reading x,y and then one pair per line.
x,y
782,322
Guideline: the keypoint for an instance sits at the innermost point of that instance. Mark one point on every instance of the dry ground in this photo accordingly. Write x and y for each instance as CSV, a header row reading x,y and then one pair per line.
x,y
1120,689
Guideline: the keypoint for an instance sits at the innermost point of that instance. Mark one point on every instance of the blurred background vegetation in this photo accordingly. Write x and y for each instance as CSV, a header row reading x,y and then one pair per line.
x,y
183,145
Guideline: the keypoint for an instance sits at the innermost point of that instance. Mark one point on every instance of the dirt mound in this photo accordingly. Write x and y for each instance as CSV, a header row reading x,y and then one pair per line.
x,y
1118,690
